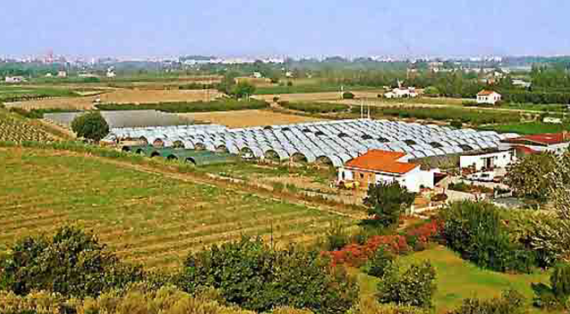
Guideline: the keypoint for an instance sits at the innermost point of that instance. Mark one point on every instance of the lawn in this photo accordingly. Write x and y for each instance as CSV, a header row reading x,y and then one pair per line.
x,y
458,279
526,128
145,217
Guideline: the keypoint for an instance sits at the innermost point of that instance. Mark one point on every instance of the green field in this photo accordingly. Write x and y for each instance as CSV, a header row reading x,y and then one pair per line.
x,y
458,279
145,217
527,128
16,93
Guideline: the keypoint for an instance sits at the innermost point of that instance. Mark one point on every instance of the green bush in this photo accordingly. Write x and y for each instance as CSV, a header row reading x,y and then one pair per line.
x,y
386,202
90,126
415,287
347,95
477,232
380,262
560,281
456,124
336,237
136,299
511,302
257,277
70,263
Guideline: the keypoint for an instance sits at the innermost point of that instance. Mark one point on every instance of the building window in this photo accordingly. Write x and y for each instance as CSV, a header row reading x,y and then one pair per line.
x,y
362,176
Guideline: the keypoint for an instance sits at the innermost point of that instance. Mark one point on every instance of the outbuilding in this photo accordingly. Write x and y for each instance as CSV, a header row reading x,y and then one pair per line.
x,y
378,166
487,159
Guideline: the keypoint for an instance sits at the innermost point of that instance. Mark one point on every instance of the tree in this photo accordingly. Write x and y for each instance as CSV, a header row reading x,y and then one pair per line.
x,y
529,177
257,277
380,262
90,126
72,263
386,201
347,95
432,91
228,82
415,287
243,89
510,302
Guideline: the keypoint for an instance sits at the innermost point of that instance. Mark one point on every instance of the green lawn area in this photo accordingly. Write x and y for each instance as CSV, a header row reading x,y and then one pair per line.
x,y
458,279
526,128
144,217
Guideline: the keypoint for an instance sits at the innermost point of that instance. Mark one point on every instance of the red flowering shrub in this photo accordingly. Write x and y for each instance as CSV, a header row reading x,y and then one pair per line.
x,y
421,235
356,255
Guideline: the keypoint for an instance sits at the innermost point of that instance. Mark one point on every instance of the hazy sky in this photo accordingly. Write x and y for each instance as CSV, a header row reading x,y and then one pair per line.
x,y
139,28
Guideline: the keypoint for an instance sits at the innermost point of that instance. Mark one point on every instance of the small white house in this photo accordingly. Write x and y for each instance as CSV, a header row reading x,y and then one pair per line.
x,y
14,79
257,75
62,74
384,166
487,160
409,92
488,97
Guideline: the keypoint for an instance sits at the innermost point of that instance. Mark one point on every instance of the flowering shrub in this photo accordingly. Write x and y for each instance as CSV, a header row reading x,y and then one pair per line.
x,y
414,239
356,255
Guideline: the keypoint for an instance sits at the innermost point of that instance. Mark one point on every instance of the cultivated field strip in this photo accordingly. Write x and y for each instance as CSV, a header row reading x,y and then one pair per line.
x,y
144,217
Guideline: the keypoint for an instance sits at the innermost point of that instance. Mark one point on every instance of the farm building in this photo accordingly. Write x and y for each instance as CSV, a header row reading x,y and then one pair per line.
x,y
489,159
385,166
331,143
14,79
552,142
409,92
488,97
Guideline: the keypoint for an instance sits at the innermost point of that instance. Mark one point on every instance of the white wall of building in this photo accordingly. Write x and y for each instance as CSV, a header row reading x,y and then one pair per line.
x,y
555,148
490,99
412,180
500,160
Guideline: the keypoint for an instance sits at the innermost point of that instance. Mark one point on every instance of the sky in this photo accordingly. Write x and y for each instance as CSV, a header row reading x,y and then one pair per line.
x,y
160,28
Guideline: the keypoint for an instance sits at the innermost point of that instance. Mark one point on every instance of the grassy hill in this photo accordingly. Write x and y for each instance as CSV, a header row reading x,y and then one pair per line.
x,y
458,279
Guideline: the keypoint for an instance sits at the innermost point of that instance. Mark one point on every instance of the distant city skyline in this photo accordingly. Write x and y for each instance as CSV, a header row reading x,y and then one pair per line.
x,y
251,28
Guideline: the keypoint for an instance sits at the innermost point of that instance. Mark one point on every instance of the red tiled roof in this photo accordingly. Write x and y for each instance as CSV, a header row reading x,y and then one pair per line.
x,y
543,139
382,161
485,93
524,149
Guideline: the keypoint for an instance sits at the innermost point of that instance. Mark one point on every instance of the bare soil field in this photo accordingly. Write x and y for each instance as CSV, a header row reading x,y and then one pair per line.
x,y
120,96
249,118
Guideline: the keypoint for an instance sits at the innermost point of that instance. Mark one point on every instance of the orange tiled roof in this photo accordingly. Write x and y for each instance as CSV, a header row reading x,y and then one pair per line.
x,y
382,161
485,93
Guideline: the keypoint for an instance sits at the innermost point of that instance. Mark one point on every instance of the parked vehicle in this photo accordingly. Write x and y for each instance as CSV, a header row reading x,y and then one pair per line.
x,y
482,176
